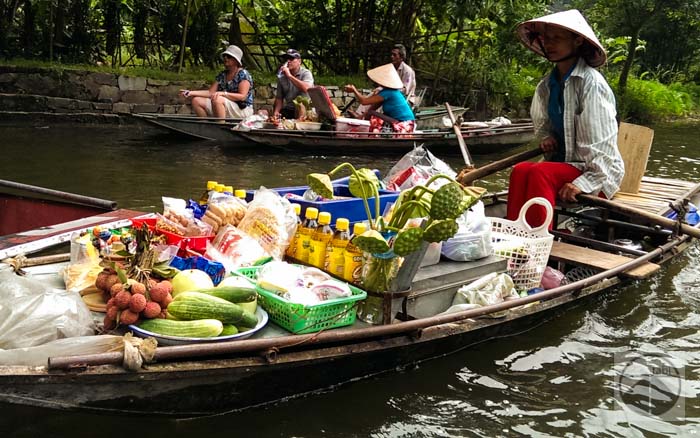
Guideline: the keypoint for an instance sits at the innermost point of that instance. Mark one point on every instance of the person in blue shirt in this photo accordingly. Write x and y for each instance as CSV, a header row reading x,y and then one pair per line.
x,y
396,112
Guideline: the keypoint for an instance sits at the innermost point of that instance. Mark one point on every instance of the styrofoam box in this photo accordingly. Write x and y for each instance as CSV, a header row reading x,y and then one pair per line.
x,y
349,126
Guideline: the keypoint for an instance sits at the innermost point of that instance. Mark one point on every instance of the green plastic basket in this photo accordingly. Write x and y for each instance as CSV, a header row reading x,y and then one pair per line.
x,y
300,318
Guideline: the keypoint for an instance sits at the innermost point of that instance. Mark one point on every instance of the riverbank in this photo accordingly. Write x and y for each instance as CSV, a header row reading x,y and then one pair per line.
x,y
81,95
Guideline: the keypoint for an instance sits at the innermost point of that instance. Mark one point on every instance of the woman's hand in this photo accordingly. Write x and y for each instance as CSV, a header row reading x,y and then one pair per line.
x,y
219,94
568,192
548,144
185,93
350,89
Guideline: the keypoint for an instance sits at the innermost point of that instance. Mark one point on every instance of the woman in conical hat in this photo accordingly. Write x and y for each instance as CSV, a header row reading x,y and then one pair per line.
x,y
396,111
573,112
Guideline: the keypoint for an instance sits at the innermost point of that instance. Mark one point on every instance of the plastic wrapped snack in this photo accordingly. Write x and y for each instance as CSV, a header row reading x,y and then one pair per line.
x,y
234,249
271,221
224,209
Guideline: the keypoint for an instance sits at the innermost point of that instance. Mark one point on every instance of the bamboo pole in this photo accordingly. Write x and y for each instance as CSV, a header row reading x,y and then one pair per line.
x,y
467,176
184,37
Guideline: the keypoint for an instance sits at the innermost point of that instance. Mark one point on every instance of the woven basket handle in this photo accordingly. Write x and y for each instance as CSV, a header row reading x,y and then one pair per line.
x,y
536,201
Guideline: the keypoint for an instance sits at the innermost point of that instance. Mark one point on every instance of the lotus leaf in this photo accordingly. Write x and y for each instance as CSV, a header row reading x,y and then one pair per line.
x,y
321,184
371,241
440,230
447,202
408,241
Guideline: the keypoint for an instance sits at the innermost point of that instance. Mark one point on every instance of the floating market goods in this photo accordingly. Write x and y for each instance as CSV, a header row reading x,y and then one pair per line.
x,y
201,328
242,282
196,305
191,279
234,294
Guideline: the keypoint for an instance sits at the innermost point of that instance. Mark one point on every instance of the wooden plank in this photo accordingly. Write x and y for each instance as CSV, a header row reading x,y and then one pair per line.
x,y
593,258
634,144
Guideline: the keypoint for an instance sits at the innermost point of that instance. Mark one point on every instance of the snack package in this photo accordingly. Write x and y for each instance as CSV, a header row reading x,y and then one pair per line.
x,y
270,219
224,209
234,249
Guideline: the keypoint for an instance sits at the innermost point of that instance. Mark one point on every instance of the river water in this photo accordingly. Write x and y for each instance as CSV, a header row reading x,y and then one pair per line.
x,y
558,379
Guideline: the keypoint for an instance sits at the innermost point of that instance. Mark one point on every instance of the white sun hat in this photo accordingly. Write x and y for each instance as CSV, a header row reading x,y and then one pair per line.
x,y
235,52
571,20
386,76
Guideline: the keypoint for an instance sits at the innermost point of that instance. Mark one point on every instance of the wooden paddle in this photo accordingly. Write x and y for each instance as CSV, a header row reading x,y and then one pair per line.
x,y
631,211
469,175
458,132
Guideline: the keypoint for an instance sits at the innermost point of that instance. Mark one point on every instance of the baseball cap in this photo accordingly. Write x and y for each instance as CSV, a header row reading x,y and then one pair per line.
x,y
291,54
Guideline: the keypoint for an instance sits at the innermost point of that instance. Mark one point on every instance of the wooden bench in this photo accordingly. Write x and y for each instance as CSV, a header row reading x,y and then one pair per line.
x,y
592,258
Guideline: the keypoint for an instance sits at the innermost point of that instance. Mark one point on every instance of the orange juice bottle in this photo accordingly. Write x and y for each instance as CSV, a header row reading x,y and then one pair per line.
x,y
306,229
292,248
352,271
335,251
320,239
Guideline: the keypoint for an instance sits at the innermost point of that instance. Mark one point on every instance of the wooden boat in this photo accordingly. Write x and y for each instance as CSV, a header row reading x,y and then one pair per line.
x,y
203,379
203,128
480,140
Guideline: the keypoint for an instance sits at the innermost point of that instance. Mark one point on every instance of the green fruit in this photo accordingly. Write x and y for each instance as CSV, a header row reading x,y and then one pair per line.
x,y
408,241
371,241
440,230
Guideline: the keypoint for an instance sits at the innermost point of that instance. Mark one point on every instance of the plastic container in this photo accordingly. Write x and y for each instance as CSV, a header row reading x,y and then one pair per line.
x,y
300,318
352,269
292,248
334,262
197,244
351,127
319,240
306,229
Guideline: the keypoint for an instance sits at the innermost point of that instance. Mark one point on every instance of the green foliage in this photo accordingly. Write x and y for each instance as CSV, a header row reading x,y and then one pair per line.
x,y
649,100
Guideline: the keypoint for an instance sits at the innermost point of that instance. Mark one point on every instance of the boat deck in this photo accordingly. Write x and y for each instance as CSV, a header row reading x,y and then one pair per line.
x,y
655,194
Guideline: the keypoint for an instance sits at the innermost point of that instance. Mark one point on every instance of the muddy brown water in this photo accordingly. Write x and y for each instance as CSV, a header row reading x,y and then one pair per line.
x,y
558,379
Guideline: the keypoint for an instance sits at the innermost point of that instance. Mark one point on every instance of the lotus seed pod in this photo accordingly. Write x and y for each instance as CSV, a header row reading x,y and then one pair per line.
x,y
321,184
371,241
366,179
408,241
441,230
447,202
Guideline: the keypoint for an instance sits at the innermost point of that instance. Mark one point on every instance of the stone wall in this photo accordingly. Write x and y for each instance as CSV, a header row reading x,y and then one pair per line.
x,y
25,89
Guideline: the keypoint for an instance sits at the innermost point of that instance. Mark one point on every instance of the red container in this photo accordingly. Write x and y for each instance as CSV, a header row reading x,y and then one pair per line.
x,y
197,244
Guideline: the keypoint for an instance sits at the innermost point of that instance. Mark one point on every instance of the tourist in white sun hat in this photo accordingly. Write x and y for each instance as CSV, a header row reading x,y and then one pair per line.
x,y
573,112
231,94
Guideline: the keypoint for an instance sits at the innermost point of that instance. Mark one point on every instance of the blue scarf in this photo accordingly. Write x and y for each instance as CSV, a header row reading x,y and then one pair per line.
x,y
555,110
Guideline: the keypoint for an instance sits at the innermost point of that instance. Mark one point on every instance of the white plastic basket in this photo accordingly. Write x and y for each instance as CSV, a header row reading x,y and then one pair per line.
x,y
527,249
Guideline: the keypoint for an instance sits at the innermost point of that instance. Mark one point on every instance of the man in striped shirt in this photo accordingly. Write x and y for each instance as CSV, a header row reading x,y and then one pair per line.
x,y
573,112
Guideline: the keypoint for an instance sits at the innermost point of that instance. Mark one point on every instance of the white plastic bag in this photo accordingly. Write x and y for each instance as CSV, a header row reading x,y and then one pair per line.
x,y
473,238
32,313
490,289
415,168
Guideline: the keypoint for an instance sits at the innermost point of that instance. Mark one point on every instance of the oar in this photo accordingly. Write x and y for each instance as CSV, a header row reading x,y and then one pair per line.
x,y
458,132
631,211
469,175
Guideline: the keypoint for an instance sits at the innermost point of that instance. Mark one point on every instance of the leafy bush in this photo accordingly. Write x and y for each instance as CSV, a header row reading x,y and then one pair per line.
x,y
649,101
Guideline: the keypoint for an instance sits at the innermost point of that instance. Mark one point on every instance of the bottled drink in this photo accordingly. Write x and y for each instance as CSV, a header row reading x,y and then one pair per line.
x,y
241,194
220,188
292,248
335,251
305,231
211,185
320,239
279,72
228,190
352,271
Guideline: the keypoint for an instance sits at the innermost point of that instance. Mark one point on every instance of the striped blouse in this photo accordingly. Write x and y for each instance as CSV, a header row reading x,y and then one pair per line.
x,y
590,128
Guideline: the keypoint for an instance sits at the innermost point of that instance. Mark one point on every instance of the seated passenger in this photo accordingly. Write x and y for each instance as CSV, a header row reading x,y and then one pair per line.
x,y
397,113
573,112
231,94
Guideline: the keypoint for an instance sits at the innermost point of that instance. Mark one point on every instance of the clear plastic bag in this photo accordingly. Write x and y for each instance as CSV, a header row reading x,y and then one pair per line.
x,y
39,355
473,238
32,313
271,220
415,168
234,249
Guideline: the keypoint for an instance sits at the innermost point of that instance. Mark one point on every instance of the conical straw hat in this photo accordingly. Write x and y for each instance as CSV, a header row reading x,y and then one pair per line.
x,y
386,76
572,20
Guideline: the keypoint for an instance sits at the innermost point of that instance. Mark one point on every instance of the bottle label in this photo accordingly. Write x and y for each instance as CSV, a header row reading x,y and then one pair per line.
x,y
303,245
352,271
317,252
335,260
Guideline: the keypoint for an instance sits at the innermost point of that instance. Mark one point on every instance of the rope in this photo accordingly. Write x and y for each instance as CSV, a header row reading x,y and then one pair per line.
x,y
137,351
17,263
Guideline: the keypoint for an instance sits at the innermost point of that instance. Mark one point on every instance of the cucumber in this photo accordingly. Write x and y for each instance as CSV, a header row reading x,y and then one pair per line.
x,y
234,294
197,305
229,329
200,328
